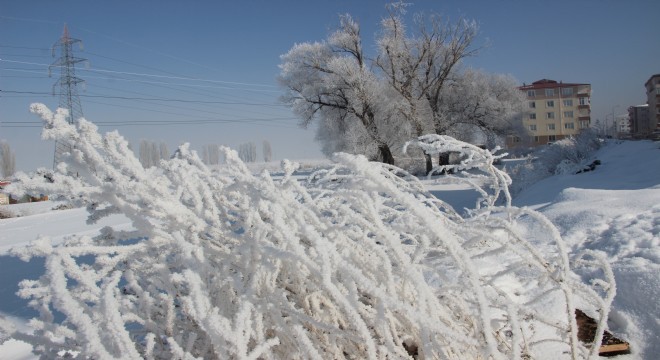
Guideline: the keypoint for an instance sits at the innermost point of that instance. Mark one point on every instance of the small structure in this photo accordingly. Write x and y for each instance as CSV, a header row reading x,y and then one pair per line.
x,y
4,198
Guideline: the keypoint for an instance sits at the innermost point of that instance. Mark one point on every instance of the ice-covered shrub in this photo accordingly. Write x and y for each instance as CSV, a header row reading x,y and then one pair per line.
x,y
359,261
6,214
566,156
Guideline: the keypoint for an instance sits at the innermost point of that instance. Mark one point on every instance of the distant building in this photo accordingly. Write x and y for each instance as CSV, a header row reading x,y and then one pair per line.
x,y
622,124
4,198
639,121
653,99
555,110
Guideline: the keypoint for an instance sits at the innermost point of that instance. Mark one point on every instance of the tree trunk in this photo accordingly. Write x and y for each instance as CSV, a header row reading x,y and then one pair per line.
x,y
443,159
429,163
385,154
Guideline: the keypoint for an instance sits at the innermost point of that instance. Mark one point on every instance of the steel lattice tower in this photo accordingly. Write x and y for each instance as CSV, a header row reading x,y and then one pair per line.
x,y
68,85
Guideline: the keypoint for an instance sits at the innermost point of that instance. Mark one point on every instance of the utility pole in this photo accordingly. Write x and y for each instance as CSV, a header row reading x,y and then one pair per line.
x,y
68,86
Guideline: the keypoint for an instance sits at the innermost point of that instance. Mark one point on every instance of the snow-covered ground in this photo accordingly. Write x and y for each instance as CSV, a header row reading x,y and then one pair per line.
x,y
614,209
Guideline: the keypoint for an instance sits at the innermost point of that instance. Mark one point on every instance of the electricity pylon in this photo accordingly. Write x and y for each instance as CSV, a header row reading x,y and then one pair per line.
x,y
68,84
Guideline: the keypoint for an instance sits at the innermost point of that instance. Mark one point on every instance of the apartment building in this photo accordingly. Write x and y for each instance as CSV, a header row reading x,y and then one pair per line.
x,y
653,100
639,120
555,110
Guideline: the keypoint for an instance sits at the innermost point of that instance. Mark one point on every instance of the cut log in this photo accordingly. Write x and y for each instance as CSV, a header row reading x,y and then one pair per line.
x,y
610,345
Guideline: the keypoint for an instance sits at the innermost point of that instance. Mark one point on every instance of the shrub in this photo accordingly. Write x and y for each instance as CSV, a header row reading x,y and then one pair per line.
x,y
358,261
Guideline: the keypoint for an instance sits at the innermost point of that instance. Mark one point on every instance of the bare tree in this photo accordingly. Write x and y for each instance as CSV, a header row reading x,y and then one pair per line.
x,y
7,159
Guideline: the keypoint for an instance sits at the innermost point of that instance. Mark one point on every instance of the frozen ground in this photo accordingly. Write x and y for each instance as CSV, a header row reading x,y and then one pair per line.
x,y
615,209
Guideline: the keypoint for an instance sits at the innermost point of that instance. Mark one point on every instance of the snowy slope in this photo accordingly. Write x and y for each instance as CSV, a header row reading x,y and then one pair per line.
x,y
615,209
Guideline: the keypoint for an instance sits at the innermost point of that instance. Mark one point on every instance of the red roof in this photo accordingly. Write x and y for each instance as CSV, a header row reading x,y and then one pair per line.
x,y
651,78
4,183
547,83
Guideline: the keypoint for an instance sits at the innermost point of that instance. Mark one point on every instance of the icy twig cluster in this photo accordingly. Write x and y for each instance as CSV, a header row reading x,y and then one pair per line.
x,y
357,261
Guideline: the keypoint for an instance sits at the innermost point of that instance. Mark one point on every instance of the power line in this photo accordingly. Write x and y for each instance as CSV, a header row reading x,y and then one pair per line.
x,y
22,47
148,99
154,75
150,83
25,55
29,20
246,121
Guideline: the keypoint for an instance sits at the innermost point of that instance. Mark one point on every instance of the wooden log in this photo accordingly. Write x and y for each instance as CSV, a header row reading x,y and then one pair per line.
x,y
610,345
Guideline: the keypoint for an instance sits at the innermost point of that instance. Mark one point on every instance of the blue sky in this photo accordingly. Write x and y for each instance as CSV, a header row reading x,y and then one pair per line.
x,y
232,49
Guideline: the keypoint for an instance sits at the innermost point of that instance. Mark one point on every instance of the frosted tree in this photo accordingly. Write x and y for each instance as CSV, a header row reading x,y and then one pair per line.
x,y
205,155
247,152
488,103
267,151
151,152
418,67
164,151
145,153
413,87
331,81
211,154
357,261
214,154
155,153
7,160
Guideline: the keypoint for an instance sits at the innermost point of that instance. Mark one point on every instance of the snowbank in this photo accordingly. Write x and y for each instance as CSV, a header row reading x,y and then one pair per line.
x,y
615,210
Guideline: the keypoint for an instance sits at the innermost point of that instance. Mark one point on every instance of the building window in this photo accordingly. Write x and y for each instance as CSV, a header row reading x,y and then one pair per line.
x,y
584,124
549,92
551,126
536,139
550,115
532,116
552,138
532,104
584,101
532,127
567,91
531,93
568,114
568,102
516,139
550,103
569,125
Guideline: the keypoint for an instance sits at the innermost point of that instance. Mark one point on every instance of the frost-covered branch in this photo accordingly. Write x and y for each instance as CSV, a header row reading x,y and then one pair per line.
x,y
487,176
358,261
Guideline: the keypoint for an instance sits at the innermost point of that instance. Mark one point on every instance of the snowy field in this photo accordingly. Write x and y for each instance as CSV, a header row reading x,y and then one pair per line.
x,y
614,209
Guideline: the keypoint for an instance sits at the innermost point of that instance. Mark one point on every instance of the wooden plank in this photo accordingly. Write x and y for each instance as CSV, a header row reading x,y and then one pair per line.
x,y
605,349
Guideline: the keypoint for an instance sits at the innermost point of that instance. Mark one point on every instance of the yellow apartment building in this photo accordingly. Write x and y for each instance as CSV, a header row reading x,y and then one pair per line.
x,y
554,110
